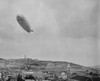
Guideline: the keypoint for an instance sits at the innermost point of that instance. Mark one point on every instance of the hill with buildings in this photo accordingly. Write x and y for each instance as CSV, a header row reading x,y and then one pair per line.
x,y
37,65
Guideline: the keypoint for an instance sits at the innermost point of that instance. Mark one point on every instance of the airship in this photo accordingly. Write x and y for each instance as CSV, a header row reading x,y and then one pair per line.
x,y
24,23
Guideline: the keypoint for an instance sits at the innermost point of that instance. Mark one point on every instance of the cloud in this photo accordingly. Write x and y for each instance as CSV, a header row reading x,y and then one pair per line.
x,y
77,19
0,40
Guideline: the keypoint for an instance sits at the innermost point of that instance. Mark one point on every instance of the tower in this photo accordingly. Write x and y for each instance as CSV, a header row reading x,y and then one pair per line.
x,y
25,56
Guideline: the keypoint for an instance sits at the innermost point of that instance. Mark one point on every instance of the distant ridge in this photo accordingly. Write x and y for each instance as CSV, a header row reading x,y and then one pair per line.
x,y
34,62
97,67
2,59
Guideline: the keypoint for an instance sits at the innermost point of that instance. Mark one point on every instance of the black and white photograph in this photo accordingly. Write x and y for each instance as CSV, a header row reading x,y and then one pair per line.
x,y
49,40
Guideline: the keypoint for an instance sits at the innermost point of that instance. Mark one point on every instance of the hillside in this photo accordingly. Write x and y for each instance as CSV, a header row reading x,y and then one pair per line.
x,y
35,64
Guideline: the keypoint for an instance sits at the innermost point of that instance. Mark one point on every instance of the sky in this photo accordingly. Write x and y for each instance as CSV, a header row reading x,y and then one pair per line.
x,y
64,30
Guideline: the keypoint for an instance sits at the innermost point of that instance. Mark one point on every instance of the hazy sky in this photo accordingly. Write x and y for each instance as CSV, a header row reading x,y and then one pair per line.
x,y
66,30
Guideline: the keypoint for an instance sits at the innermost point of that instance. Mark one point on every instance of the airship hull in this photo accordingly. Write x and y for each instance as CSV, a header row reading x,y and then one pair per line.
x,y
23,23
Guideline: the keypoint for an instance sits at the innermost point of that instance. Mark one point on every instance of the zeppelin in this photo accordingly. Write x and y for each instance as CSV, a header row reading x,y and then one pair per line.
x,y
24,23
